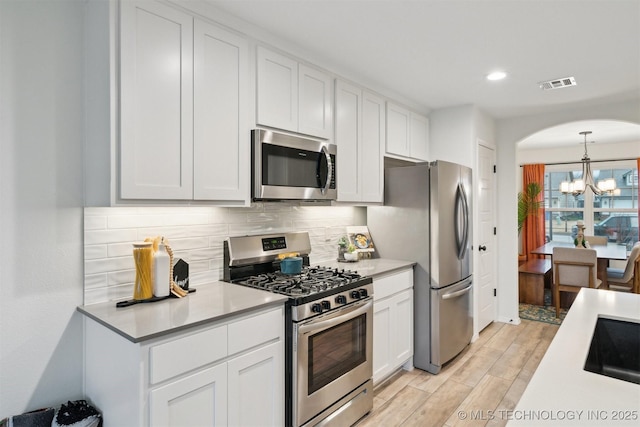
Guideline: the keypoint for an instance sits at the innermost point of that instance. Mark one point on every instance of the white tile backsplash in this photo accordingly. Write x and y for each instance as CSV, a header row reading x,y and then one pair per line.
x,y
196,235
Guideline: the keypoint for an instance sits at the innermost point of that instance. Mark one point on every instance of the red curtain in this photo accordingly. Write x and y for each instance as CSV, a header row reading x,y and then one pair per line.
x,y
533,234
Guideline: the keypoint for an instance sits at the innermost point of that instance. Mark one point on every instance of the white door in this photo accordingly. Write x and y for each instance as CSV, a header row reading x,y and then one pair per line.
x,y
348,117
256,387
382,338
277,90
371,163
315,102
197,400
419,137
486,266
403,331
398,133
156,109
221,132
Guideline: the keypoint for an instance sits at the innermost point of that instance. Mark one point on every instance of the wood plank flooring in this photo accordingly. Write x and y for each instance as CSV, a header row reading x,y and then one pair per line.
x,y
477,388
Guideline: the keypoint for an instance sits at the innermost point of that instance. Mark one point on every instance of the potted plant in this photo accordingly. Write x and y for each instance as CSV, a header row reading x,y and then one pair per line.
x,y
528,204
351,254
343,244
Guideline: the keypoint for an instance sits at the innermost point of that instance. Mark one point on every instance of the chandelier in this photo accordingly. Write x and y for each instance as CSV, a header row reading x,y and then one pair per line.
x,y
579,186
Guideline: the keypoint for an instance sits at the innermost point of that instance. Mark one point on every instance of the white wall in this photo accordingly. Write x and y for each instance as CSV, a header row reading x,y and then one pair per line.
x,y
41,135
453,133
620,150
509,133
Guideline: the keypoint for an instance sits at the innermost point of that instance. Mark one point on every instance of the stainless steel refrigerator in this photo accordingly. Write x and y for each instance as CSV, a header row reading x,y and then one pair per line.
x,y
426,218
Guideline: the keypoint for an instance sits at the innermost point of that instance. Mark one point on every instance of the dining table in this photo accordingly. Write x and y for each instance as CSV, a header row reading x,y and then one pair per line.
x,y
605,253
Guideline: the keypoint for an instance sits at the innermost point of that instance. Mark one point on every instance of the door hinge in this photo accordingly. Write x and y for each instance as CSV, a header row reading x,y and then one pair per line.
x,y
495,231
494,168
495,292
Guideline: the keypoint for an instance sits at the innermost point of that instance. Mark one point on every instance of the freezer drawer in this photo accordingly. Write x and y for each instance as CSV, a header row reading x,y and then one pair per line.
x,y
451,320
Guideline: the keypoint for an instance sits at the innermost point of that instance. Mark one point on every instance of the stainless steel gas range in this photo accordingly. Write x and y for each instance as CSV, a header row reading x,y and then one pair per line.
x,y
328,324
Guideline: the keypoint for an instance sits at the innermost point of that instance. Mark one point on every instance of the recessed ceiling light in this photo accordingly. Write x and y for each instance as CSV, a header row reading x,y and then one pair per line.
x,y
497,75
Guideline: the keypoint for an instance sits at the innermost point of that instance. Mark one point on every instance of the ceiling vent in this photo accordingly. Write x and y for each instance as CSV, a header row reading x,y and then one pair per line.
x,y
557,83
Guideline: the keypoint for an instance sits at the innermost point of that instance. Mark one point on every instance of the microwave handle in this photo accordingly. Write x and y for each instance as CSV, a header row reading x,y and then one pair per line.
x,y
329,170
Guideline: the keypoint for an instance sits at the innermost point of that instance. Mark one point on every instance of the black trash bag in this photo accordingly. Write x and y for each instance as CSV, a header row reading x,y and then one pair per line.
x,y
38,418
77,414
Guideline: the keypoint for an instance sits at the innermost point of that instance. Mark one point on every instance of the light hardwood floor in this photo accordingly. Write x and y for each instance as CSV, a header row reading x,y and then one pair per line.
x,y
477,388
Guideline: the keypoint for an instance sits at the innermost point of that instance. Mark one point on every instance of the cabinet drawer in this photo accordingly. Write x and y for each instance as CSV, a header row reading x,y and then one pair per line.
x,y
255,330
388,285
184,354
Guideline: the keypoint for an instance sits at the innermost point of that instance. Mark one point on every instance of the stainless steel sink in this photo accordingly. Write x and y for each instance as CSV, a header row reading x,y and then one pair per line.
x,y
615,349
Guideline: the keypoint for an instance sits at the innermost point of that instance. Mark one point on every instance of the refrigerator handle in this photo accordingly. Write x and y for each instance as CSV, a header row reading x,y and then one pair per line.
x,y
462,236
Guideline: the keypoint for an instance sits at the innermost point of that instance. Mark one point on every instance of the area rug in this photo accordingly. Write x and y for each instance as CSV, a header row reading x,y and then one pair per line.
x,y
546,313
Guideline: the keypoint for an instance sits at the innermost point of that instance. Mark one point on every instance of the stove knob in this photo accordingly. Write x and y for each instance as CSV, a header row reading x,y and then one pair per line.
x,y
326,305
363,293
355,294
316,308
341,299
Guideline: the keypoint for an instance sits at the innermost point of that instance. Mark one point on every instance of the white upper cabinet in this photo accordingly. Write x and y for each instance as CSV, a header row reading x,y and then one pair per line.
x,y
293,96
184,107
220,122
373,142
315,113
360,139
419,138
277,90
407,133
156,146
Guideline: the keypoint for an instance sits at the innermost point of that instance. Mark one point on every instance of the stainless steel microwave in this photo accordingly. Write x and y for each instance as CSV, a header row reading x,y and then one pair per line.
x,y
288,167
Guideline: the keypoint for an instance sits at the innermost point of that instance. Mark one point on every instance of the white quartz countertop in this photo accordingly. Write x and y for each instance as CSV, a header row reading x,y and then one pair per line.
x,y
211,302
561,392
371,267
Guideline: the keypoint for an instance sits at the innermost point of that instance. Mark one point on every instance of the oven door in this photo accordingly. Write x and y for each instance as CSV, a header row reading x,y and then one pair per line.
x,y
332,356
289,167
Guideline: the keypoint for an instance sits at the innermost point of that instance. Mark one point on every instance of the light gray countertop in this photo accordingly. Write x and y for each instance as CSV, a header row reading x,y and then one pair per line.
x,y
371,267
210,303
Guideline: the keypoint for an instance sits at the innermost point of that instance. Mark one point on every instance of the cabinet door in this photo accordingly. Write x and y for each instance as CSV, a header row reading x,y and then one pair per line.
x,y
348,118
277,90
419,137
221,132
197,400
315,112
382,338
156,109
372,148
403,329
256,387
398,130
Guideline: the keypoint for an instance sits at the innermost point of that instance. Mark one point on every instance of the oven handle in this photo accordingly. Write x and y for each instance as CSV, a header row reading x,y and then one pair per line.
x,y
337,317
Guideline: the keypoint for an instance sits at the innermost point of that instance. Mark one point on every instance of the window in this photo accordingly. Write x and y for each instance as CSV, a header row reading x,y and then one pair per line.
x,y
613,215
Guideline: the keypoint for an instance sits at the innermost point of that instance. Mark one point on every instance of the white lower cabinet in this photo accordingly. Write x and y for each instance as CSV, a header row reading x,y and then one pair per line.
x,y
392,323
255,389
209,375
197,400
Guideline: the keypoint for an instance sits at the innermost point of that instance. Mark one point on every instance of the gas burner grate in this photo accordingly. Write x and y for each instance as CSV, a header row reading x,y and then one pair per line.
x,y
310,281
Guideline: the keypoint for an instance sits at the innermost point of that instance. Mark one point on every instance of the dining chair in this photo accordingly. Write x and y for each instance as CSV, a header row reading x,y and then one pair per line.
x,y
573,269
597,240
627,280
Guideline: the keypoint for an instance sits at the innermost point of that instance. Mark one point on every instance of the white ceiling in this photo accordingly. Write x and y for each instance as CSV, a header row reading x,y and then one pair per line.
x,y
437,53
